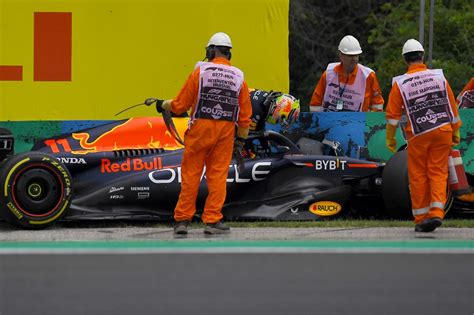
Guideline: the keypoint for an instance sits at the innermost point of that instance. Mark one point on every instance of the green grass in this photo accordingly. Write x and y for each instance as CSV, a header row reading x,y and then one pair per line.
x,y
353,223
451,223
455,223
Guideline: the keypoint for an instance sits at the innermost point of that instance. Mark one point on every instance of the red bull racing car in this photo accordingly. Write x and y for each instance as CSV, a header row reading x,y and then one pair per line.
x,y
130,169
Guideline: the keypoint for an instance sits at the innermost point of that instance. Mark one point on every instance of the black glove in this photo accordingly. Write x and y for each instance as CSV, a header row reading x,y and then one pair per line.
x,y
159,106
271,96
239,144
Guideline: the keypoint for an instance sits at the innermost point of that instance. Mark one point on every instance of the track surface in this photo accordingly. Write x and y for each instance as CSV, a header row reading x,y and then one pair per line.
x,y
143,270
265,283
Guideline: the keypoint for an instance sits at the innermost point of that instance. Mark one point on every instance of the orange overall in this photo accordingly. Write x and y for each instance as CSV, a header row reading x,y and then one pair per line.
x,y
209,143
373,100
427,155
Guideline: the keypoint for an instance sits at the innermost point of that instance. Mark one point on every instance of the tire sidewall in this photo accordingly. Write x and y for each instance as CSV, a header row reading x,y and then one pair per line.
x,y
10,209
395,189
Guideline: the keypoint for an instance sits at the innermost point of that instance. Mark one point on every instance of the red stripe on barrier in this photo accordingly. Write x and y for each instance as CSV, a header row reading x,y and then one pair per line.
x,y
52,46
11,73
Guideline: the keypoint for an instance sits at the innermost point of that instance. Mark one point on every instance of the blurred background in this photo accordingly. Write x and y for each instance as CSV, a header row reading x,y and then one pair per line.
x,y
382,27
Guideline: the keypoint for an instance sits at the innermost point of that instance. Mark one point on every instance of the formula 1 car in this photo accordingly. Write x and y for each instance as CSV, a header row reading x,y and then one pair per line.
x,y
130,169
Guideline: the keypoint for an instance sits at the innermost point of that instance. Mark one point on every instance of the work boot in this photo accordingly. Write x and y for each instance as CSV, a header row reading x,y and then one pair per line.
x,y
428,225
181,227
216,228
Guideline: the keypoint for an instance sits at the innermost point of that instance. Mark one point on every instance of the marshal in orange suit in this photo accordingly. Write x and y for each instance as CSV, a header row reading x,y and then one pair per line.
x,y
425,97
217,126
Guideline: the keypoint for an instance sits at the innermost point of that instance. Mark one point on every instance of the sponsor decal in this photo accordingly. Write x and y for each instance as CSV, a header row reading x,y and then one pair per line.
x,y
72,160
216,112
431,117
214,91
325,208
140,188
14,210
259,172
115,189
333,165
419,100
117,197
67,181
330,165
294,211
409,79
130,165
143,195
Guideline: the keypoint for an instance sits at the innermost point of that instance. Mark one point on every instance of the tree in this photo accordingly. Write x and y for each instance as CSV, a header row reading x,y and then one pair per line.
x,y
316,27
453,46
382,27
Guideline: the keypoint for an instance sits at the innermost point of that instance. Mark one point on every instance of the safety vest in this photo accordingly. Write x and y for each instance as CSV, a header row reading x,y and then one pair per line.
x,y
340,96
219,89
467,99
425,98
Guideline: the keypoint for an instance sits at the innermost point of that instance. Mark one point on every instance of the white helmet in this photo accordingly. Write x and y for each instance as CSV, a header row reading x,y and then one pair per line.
x,y
412,45
220,39
349,45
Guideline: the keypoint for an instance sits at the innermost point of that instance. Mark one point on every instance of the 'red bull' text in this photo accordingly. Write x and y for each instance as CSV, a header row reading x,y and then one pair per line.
x,y
130,165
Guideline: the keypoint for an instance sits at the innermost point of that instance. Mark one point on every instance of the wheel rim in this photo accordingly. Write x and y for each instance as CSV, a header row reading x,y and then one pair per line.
x,y
37,190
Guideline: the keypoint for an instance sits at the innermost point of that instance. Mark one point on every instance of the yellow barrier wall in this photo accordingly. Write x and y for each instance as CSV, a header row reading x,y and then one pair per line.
x,y
126,51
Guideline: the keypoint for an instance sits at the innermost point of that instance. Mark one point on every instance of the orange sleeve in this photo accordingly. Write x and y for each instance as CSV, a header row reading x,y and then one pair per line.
x,y
376,99
318,93
394,108
187,95
245,111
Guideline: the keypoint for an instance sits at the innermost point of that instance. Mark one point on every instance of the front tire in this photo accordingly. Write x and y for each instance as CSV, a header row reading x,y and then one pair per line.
x,y
35,190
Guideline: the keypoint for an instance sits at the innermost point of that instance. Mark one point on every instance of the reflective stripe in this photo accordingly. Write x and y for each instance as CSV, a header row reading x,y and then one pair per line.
x,y
393,122
455,120
437,204
457,161
313,108
420,211
377,106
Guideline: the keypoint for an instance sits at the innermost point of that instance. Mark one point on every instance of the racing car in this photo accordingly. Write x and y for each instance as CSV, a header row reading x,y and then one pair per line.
x,y
130,169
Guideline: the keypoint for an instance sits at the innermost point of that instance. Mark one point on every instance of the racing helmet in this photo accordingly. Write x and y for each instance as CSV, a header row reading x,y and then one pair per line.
x,y
285,110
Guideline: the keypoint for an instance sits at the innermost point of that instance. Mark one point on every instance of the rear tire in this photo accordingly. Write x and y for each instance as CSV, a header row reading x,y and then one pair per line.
x,y
35,190
395,191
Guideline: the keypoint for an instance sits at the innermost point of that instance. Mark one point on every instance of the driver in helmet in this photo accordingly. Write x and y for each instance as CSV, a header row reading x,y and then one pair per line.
x,y
270,107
